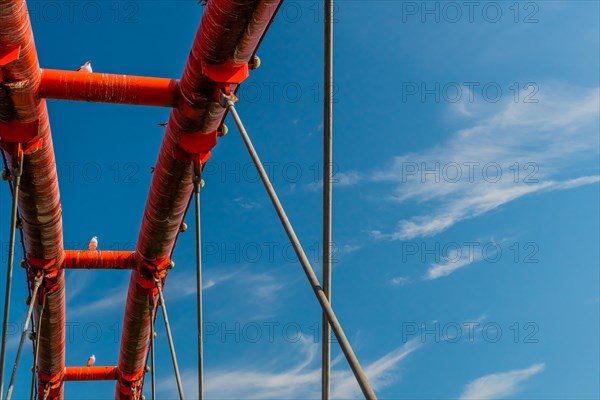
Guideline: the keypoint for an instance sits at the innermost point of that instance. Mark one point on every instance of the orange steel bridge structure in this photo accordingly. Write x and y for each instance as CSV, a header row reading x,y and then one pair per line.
x,y
222,55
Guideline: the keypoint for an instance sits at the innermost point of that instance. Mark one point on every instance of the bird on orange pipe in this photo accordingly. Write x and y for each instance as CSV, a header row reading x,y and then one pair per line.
x,y
91,360
87,67
93,245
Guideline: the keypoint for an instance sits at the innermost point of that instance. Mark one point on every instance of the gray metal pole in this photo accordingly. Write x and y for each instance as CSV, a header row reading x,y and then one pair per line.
x,y
359,374
36,351
16,176
197,186
327,193
170,338
152,364
32,301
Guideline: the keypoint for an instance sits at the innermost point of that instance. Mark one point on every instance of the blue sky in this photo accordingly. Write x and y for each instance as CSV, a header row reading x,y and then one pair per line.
x,y
466,215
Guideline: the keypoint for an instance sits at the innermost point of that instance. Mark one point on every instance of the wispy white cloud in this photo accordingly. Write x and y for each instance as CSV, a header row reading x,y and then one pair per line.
x,y
264,286
341,179
527,148
474,327
481,201
258,288
180,286
246,204
111,299
499,385
345,249
400,280
297,376
456,259
381,373
76,282
527,142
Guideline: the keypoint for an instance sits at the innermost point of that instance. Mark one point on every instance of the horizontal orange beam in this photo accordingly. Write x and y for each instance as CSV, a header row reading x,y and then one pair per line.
x,y
99,259
90,373
108,88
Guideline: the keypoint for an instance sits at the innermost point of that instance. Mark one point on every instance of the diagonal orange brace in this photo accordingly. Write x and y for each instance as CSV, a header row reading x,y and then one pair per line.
x,y
90,374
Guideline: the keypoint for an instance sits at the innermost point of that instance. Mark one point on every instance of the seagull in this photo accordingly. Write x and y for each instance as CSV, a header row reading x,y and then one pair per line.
x,y
91,360
93,244
87,67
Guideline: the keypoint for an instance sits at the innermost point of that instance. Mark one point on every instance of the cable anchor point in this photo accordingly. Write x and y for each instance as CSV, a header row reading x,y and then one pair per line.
x,y
227,98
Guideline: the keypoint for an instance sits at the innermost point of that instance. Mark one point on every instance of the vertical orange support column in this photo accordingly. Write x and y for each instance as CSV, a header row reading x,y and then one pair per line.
x,y
24,121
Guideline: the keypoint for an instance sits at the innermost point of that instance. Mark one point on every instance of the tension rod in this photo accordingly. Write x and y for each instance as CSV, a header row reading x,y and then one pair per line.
x,y
36,351
327,194
16,176
363,382
32,301
169,337
152,333
198,183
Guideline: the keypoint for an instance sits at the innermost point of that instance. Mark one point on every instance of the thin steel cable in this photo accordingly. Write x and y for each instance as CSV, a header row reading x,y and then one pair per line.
x,y
170,338
16,175
19,220
359,374
327,193
33,393
32,301
152,370
197,186
23,249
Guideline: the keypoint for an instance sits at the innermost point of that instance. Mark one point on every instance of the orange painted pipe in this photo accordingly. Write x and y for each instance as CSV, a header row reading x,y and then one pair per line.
x,y
108,88
229,34
99,259
24,119
90,374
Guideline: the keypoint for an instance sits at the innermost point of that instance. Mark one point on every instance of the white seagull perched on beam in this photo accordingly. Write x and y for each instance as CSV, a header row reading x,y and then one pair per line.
x,y
91,360
93,244
87,67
